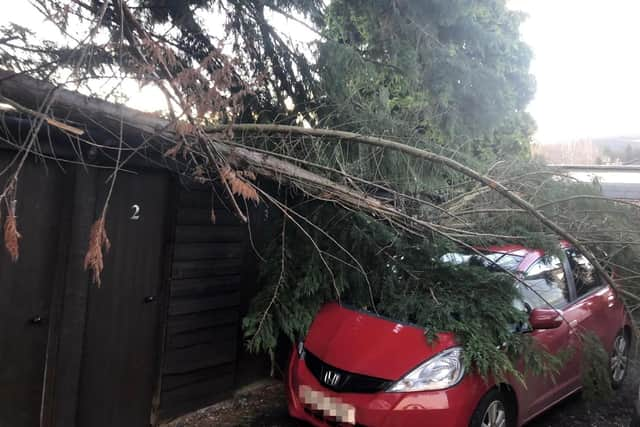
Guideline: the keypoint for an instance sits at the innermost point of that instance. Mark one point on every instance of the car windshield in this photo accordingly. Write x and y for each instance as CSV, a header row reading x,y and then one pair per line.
x,y
494,261
544,282
500,261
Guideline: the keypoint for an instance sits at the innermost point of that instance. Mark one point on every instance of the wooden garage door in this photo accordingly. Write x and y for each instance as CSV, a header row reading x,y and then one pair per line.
x,y
122,330
26,289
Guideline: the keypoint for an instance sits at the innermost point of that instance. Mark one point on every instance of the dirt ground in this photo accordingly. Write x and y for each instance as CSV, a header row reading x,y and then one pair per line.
x,y
263,405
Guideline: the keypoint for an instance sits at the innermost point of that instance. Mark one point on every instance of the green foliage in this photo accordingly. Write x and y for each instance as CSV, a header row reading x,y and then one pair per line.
x,y
398,276
596,375
537,361
407,282
449,74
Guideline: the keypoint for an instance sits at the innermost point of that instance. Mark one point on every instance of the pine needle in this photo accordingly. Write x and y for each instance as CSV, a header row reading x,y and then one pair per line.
x,y
239,186
98,240
11,236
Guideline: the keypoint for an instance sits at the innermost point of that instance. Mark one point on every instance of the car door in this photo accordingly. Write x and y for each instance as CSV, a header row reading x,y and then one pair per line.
x,y
602,312
547,287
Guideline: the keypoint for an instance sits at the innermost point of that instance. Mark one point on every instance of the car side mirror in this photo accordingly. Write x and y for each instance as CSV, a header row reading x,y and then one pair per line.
x,y
544,318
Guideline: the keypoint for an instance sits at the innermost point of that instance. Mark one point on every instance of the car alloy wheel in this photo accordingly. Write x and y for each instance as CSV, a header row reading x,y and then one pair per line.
x,y
495,415
619,359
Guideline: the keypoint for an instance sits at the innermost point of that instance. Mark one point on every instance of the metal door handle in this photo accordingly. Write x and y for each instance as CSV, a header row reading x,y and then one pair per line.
x,y
149,299
35,320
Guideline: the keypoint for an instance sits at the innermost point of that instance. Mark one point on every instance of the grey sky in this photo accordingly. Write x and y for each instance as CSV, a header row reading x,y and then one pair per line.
x,y
587,65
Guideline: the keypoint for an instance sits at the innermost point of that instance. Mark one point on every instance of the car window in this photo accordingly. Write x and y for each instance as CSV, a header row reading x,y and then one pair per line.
x,y
494,261
584,274
509,262
546,284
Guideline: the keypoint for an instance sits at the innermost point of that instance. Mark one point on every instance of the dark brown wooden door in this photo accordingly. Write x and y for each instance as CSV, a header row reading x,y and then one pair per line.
x,y
121,335
25,291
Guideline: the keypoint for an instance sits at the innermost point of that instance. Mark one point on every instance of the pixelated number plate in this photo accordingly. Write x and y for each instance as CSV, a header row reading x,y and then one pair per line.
x,y
331,407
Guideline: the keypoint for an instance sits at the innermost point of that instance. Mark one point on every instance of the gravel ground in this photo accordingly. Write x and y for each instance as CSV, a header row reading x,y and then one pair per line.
x,y
263,405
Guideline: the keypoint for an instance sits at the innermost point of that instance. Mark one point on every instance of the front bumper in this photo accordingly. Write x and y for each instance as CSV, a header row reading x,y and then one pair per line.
x,y
445,408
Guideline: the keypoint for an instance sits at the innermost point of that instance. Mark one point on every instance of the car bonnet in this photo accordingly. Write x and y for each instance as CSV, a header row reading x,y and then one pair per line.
x,y
363,343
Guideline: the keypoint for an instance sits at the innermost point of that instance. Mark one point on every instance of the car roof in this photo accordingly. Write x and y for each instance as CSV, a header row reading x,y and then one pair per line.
x,y
529,255
508,249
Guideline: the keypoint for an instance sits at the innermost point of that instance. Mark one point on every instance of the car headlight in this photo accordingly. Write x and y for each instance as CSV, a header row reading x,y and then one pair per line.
x,y
441,371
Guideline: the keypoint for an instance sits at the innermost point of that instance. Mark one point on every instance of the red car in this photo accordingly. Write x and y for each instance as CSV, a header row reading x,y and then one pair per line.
x,y
356,368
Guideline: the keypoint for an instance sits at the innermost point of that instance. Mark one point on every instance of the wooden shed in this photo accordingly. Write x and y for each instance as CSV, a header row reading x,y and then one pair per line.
x,y
161,336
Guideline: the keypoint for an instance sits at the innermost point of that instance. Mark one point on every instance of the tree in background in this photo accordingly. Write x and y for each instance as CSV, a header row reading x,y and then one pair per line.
x,y
448,76
451,73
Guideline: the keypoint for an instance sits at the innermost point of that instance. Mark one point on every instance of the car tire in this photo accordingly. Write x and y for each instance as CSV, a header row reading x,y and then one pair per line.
x,y
619,359
493,410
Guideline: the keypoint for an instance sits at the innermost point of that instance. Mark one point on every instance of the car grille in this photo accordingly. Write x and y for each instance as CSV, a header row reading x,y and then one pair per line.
x,y
348,382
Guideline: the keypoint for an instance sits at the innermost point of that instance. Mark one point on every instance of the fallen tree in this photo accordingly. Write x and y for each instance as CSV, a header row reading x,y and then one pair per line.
x,y
406,244
26,92
365,217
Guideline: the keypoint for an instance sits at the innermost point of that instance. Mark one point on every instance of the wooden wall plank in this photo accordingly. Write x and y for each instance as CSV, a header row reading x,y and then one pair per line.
x,y
188,305
176,381
204,286
204,319
200,356
198,393
191,216
202,336
206,268
210,233
208,251
203,198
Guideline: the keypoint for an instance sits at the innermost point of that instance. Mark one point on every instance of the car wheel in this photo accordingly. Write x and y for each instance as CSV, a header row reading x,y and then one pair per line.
x,y
619,359
492,411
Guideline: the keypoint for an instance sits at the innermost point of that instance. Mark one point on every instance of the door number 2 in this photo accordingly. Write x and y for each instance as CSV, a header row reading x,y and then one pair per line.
x,y
136,212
